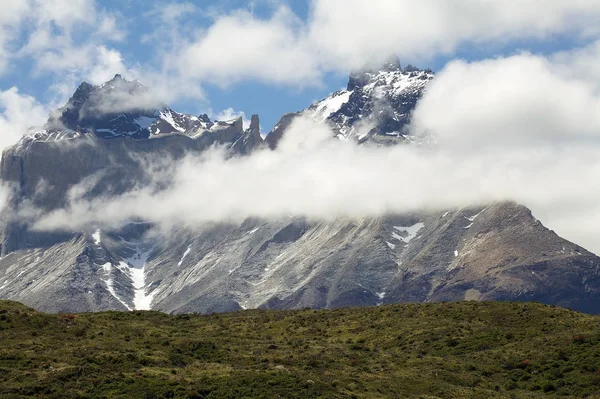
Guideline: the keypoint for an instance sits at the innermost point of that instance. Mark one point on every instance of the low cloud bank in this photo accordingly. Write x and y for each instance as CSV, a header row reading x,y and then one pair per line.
x,y
520,128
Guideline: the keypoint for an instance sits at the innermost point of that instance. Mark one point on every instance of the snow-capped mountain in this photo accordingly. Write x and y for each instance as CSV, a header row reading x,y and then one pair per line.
x,y
376,106
494,252
121,108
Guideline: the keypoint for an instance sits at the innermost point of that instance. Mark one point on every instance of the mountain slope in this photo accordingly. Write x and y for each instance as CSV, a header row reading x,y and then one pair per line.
x,y
493,252
504,254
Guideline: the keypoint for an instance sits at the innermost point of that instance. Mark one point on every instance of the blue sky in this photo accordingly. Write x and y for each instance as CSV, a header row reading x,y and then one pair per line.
x,y
135,16
145,39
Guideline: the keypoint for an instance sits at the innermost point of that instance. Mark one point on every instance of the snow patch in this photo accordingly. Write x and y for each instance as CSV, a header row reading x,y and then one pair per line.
x,y
167,116
136,264
456,254
410,232
392,246
109,284
472,218
97,236
187,251
331,104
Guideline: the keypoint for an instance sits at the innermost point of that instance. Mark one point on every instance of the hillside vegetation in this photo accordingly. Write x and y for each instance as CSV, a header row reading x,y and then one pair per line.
x,y
446,350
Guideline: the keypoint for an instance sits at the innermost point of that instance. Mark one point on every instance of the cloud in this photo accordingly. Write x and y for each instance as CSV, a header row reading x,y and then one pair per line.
x,y
340,35
543,109
230,114
580,64
57,27
315,176
108,63
11,20
523,127
241,46
64,38
427,27
522,100
18,112
515,128
169,29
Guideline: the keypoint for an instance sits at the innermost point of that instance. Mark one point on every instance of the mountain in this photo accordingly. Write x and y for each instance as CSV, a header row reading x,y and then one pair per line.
x,y
375,107
493,252
120,108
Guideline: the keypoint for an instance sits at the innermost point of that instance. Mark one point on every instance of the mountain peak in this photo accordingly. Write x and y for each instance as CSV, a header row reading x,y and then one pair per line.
x,y
116,108
362,77
391,64
255,123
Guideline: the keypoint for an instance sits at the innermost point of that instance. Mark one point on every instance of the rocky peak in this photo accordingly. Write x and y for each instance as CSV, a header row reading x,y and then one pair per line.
x,y
204,118
375,107
82,93
362,77
250,139
108,110
391,64
119,108
255,124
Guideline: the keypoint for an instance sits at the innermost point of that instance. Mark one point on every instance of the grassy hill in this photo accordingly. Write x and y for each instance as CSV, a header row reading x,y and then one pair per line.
x,y
448,350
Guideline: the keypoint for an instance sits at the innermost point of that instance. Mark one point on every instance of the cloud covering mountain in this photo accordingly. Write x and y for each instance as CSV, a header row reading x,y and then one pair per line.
x,y
522,126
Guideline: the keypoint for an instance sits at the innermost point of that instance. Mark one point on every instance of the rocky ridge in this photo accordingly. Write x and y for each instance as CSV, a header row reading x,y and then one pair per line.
x,y
494,252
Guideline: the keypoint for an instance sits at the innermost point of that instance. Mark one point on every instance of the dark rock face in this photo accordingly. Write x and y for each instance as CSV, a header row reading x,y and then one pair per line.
x,y
121,108
250,139
496,252
376,106
277,133
99,109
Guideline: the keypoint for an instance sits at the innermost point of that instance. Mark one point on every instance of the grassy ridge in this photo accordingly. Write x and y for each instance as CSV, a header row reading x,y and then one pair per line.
x,y
454,350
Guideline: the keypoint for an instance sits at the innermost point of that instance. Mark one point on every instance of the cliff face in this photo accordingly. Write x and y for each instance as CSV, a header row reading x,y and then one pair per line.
x,y
493,252
42,172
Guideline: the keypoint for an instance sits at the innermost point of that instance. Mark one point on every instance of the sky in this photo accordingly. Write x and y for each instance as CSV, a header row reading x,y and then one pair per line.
x,y
224,57
515,105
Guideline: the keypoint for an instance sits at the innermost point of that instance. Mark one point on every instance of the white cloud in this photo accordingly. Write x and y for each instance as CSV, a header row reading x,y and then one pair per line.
x,y
340,35
18,112
11,19
241,46
230,114
169,30
519,100
51,32
354,30
108,27
511,128
580,64
545,110
313,175
523,127
108,63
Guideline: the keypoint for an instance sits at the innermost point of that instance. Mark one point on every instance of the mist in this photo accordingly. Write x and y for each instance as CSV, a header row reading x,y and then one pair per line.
x,y
520,128
315,176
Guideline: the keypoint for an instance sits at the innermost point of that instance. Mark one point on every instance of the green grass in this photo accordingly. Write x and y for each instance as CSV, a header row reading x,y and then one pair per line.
x,y
448,350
